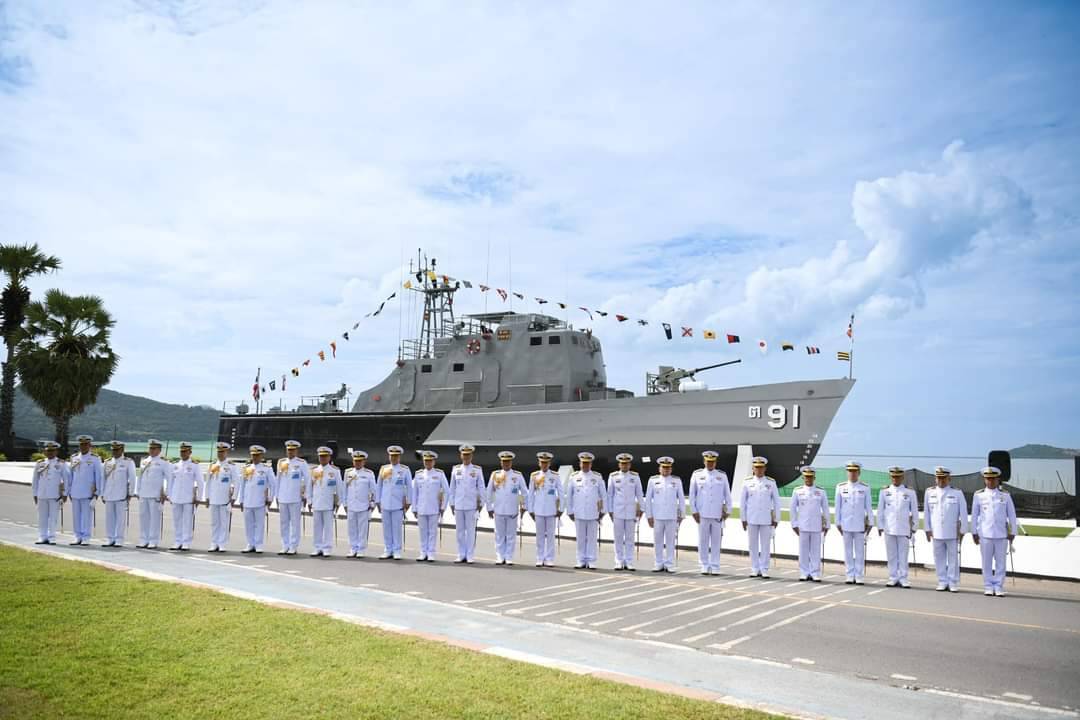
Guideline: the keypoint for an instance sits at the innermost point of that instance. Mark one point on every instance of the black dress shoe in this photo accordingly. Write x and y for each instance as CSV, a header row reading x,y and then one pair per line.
x,y
42,542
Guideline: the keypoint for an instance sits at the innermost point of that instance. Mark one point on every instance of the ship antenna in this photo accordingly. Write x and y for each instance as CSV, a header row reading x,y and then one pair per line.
x,y
401,303
851,348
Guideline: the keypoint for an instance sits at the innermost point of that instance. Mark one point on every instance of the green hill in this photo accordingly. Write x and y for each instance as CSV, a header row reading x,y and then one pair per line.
x,y
134,419
1043,452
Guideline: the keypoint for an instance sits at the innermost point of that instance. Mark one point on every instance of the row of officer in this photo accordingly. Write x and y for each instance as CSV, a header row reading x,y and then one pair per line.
x,y
507,495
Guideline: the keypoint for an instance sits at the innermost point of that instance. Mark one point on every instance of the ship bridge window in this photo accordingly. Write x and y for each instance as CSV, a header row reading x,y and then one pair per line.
x,y
536,340
425,368
459,367
554,340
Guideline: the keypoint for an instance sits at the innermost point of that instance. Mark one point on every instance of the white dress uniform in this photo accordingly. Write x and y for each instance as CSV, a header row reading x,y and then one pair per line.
x,y
586,500
545,503
897,516
759,507
710,498
466,499
993,519
361,489
51,477
854,514
325,497
395,491
154,474
185,485
665,505
119,486
292,487
222,481
431,495
624,499
810,514
85,485
255,491
945,516
506,494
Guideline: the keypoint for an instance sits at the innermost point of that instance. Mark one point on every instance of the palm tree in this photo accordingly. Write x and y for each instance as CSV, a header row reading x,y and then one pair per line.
x,y
64,358
19,263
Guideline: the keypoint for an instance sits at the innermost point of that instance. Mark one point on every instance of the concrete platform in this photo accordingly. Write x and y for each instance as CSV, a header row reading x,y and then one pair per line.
x,y
805,649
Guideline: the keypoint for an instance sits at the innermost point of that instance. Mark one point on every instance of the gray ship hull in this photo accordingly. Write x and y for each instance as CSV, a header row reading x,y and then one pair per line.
x,y
786,422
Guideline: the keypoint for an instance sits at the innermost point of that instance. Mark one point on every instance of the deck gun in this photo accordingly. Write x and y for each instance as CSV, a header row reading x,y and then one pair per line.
x,y
668,379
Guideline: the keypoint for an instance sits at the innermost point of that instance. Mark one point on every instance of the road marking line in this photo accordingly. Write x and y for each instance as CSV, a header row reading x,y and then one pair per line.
x,y
908,678
1017,696
710,618
830,594
576,619
292,572
519,599
687,612
1006,703
412,592
518,611
760,615
787,621
803,661
333,577
875,592
702,636
524,592
652,610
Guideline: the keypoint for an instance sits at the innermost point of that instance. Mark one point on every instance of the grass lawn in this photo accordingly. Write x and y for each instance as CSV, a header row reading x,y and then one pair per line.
x,y
1050,531
80,641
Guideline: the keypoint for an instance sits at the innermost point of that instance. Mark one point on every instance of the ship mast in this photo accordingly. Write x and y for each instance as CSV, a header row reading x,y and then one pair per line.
x,y
438,319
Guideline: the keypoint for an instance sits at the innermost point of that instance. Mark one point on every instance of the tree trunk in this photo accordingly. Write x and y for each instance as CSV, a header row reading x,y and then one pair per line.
x,y
61,424
7,404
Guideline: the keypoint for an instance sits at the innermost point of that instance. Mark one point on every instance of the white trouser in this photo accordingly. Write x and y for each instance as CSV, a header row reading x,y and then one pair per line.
x,y
465,520
545,538
183,515
82,517
993,562
664,542
289,517
505,534
587,541
358,530
220,516
391,530
254,528
946,562
710,535
115,520
896,551
760,540
624,541
810,554
149,521
47,513
322,530
854,554
428,526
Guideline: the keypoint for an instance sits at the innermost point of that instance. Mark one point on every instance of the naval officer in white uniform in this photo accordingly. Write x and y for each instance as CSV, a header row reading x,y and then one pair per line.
x,y
710,503
291,490
51,477
431,494
810,521
945,519
119,487
586,503
219,491
466,500
325,497
665,505
993,526
155,473
854,518
255,492
625,502
393,499
184,487
361,489
507,492
85,486
897,516
545,505
759,506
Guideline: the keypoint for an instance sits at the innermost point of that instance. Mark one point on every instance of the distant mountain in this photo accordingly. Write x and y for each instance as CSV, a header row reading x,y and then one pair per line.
x,y
1043,452
134,418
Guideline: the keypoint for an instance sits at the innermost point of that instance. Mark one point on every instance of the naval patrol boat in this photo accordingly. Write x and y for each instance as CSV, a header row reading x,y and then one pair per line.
x,y
528,382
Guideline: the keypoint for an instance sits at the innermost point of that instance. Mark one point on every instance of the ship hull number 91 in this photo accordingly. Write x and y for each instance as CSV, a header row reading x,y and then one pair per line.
x,y
778,415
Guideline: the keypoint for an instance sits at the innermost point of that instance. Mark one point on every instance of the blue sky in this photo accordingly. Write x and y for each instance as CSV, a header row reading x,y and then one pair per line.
x,y
240,182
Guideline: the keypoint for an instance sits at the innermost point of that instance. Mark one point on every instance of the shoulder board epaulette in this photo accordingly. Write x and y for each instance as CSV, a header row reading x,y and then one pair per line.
x,y
634,473
654,477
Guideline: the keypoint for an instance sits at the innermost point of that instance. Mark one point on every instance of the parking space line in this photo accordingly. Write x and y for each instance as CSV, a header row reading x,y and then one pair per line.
x,y
787,621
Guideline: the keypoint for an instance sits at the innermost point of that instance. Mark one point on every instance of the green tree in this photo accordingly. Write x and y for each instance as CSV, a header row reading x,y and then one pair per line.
x,y
19,263
64,358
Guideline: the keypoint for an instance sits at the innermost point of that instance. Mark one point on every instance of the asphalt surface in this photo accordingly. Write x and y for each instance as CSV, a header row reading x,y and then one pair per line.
x,y
1021,650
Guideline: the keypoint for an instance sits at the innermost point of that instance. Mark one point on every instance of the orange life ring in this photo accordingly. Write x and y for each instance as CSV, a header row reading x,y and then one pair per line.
x,y
473,348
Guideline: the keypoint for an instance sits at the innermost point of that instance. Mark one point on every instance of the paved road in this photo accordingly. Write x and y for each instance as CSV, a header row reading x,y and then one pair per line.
x,y
1022,650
